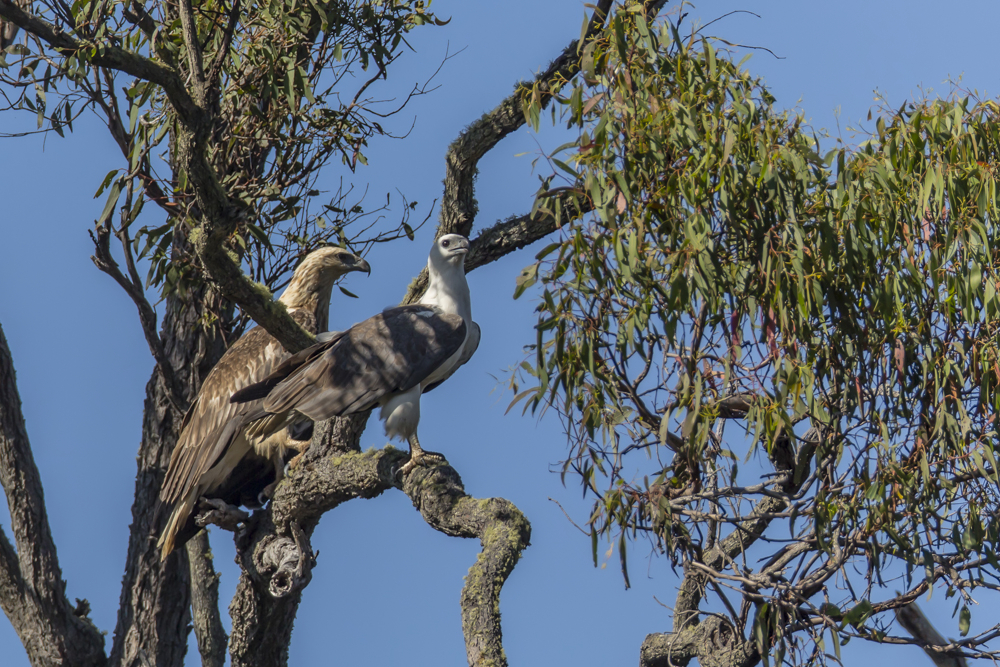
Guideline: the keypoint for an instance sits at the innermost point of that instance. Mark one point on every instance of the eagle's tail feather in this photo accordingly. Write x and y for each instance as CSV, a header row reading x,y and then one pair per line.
x,y
176,522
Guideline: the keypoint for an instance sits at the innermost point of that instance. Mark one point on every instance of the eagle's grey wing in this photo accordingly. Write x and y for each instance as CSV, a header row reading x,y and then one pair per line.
x,y
386,354
471,345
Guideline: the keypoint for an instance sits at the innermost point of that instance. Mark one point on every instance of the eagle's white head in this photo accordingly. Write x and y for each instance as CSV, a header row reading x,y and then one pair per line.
x,y
449,251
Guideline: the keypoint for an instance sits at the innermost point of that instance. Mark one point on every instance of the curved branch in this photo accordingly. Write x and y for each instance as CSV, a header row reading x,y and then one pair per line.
x,y
277,560
458,203
32,591
502,530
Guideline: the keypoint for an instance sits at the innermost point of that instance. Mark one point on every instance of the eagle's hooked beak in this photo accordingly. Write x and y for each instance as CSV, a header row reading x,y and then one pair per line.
x,y
460,248
362,265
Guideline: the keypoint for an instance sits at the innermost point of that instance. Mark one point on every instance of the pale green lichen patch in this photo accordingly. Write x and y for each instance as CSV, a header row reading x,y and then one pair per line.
x,y
264,293
196,235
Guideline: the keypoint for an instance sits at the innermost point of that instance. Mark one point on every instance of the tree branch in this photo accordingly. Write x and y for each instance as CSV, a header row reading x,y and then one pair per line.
x,y
205,615
503,238
715,641
215,71
8,31
218,217
913,620
255,299
502,530
458,203
194,52
105,261
276,558
106,55
34,596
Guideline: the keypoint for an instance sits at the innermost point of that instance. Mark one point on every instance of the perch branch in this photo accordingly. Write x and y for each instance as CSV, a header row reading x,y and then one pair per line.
x,y
277,558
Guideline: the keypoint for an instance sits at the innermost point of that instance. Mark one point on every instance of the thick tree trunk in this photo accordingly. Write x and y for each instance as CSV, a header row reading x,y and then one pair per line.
x,y
154,616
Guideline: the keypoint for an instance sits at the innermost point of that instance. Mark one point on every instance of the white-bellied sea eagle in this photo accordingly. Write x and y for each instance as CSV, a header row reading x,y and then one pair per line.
x,y
387,360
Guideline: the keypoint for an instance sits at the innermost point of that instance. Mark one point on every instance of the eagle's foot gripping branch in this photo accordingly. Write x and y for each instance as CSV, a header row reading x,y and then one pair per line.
x,y
418,457
217,512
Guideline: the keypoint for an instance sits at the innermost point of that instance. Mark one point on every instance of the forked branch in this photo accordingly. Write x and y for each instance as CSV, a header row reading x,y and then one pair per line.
x,y
276,558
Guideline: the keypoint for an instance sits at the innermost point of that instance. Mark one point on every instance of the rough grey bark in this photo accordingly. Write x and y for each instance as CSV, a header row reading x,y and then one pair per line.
x,y
503,532
277,560
714,642
32,591
205,616
504,237
262,623
458,202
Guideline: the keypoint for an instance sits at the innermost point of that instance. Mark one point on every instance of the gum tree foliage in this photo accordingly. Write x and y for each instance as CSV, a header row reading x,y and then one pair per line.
x,y
226,113
777,366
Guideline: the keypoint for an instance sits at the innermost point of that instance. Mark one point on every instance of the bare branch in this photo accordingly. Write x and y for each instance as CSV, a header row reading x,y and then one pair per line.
x,y
205,616
104,261
458,203
913,620
34,595
503,238
502,530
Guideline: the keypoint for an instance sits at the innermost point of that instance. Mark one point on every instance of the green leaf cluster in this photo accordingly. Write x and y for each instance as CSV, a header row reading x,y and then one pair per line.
x,y
288,93
740,296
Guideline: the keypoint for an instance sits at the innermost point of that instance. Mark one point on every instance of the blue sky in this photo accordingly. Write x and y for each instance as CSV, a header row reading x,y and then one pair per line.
x,y
387,586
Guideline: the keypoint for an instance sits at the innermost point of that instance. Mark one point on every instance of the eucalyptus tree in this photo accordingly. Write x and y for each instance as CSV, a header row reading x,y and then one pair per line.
x,y
777,366
247,103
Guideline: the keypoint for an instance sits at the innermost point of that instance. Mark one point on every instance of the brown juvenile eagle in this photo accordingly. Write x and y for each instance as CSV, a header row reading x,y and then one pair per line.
x,y
214,455
387,360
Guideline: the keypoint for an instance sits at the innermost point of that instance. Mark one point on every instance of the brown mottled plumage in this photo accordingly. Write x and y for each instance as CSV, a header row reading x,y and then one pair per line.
x,y
213,442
